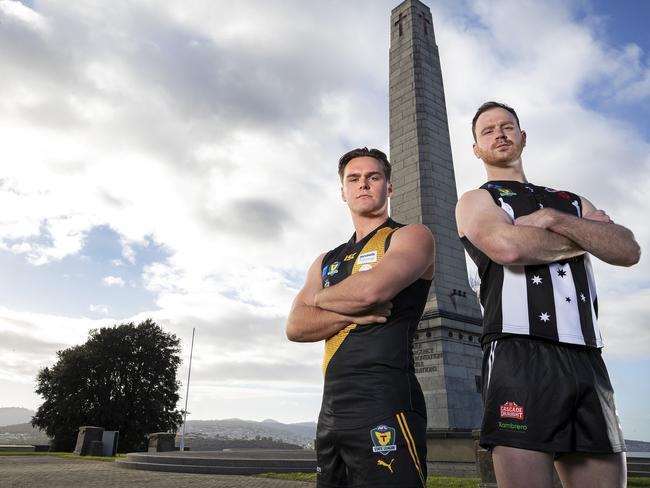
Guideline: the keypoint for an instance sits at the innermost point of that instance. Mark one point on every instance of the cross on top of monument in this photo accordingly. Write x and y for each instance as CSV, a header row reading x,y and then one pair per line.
x,y
426,21
399,22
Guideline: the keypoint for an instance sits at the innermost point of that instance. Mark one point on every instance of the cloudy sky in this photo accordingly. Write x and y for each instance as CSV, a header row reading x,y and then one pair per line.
x,y
177,160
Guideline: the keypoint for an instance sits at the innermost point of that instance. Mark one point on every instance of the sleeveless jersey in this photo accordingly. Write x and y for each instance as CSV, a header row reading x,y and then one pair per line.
x,y
369,369
555,301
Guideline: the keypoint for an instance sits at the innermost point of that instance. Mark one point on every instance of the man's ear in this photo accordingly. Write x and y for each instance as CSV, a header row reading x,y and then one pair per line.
x,y
474,148
523,138
390,188
343,194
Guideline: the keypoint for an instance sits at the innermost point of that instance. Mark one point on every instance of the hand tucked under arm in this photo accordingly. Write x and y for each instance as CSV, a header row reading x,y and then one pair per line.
x,y
595,233
312,324
308,323
490,229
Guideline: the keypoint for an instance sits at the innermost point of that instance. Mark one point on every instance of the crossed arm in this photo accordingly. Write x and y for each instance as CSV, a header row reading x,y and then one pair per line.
x,y
363,298
544,236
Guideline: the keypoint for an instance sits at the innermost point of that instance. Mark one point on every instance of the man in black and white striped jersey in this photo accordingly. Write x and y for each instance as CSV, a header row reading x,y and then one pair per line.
x,y
546,392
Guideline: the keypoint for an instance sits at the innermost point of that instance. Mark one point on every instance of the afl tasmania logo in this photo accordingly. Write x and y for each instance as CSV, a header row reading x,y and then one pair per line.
x,y
383,438
510,410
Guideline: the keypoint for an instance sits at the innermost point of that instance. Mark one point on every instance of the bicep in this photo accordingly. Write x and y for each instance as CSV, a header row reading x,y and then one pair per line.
x,y
312,284
482,221
409,257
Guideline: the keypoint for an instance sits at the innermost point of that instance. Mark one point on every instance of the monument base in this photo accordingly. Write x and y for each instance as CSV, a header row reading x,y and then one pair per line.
x,y
451,452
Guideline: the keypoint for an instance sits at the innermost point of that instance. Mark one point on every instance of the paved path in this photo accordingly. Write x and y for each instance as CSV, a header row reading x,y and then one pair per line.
x,y
55,472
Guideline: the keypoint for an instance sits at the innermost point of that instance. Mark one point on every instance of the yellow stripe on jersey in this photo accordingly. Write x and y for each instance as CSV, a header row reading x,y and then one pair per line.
x,y
410,443
377,243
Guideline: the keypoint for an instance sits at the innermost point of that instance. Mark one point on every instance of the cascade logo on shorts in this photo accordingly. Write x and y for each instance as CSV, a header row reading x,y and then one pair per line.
x,y
510,410
367,257
383,438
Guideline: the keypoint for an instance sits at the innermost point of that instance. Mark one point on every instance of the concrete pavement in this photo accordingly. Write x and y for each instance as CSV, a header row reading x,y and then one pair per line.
x,y
55,472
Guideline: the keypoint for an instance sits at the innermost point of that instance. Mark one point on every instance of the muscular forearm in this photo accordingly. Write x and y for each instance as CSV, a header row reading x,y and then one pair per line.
x,y
526,245
357,294
312,324
608,241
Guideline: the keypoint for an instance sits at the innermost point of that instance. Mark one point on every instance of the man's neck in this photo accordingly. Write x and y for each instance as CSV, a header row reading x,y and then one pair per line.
x,y
511,172
364,225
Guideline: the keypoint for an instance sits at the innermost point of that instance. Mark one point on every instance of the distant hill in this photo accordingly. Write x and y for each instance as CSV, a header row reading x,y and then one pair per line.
x,y
22,434
15,415
302,433
637,446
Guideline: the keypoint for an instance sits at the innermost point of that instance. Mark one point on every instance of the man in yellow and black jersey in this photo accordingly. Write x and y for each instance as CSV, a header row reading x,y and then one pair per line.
x,y
365,299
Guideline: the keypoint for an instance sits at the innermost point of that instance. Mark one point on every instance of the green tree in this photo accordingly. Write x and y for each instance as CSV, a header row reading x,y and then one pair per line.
x,y
123,378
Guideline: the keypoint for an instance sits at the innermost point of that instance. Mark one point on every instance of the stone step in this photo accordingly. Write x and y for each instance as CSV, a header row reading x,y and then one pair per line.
x,y
213,469
223,462
218,461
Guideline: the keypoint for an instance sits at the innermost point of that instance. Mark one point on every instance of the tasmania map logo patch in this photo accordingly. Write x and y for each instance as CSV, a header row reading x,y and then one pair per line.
x,y
510,410
383,438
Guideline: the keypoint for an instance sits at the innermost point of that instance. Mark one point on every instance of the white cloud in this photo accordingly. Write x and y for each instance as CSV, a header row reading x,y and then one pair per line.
x,y
99,308
113,281
220,145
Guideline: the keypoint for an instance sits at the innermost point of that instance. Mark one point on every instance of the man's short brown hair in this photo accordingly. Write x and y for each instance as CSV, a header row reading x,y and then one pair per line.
x,y
490,105
361,152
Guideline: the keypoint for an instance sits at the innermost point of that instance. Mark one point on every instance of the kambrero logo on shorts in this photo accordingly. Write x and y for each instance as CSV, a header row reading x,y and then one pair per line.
x,y
510,410
383,438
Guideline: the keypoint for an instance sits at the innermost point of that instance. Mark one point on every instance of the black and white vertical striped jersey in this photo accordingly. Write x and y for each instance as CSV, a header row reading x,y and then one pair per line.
x,y
554,301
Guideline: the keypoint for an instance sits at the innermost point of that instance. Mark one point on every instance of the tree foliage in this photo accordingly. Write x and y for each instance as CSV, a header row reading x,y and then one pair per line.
x,y
123,378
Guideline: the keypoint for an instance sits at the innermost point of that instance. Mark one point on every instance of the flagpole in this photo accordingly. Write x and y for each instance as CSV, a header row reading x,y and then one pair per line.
x,y
187,394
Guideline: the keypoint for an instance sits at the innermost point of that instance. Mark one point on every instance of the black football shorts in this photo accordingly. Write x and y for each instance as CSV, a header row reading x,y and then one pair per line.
x,y
548,397
390,453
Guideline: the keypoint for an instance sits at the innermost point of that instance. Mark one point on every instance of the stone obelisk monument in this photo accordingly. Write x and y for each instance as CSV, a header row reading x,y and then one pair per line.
x,y
447,351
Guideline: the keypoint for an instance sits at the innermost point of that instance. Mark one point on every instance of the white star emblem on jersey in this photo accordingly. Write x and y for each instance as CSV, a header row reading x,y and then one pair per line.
x,y
536,280
544,317
582,297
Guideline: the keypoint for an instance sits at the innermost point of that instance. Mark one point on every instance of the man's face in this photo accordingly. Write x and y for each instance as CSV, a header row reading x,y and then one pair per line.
x,y
499,140
364,186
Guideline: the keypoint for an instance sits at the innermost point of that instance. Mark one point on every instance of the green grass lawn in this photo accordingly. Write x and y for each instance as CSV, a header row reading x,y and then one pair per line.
x,y
435,481
64,455
432,481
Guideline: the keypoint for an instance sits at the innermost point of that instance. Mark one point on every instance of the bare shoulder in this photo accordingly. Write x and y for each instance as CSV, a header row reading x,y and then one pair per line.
x,y
413,233
587,206
475,197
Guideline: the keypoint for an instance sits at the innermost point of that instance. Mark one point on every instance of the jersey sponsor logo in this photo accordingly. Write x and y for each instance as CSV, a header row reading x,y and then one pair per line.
x,y
511,426
365,267
350,257
334,268
389,466
504,192
510,410
367,257
383,439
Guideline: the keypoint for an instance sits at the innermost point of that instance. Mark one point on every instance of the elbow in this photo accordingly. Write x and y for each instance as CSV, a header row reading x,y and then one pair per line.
x,y
632,257
293,333
506,255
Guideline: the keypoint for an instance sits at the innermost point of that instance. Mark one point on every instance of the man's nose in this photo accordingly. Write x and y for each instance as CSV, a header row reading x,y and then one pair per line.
x,y
363,183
